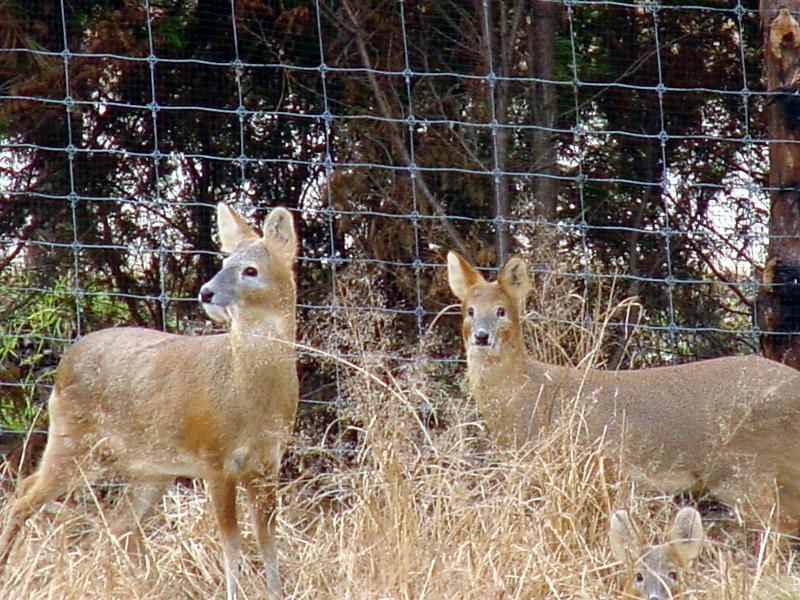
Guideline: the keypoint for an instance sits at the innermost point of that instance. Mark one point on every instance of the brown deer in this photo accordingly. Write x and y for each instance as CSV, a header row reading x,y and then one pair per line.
x,y
728,426
155,406
656,572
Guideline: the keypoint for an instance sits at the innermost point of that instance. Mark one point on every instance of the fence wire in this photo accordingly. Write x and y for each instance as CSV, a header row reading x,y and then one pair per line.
x,y
399,131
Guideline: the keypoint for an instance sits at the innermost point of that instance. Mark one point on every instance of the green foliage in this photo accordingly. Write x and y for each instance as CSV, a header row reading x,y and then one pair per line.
x,y
35,328
33,331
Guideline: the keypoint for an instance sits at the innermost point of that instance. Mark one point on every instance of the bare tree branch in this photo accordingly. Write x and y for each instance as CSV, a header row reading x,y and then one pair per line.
x,y
397,137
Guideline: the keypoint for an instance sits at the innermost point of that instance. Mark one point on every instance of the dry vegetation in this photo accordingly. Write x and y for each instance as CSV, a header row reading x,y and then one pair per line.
x,y
424,507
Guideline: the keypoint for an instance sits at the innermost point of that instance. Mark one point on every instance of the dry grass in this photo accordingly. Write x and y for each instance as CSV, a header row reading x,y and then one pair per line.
x,y
415,512
418,514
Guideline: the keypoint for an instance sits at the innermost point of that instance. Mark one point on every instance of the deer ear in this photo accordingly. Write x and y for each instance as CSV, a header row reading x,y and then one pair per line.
x,y
622,536
686,534
279,232
461,275
514,279
232,228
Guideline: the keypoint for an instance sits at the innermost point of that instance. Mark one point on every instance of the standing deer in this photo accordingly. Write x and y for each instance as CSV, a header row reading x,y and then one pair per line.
x,y
729,426
155,406
655,572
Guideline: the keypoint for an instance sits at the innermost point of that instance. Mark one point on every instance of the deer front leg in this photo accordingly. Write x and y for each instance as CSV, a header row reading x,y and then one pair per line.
x,y
223,498
263,499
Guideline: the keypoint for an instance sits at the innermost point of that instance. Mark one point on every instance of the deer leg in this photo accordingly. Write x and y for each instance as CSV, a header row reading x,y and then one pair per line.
x,y
789,516
263,500
223,498
756,498
136,501
50,480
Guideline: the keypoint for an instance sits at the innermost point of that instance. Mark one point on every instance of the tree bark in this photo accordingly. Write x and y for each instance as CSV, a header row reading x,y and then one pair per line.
x,y
779,299
497,39
542,98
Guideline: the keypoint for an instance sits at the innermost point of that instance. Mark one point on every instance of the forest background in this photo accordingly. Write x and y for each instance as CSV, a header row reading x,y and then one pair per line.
x,y
615,145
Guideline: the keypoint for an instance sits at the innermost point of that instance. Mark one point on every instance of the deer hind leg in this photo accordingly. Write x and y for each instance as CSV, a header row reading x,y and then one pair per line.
x,y
753,492
136,501
263,499
789,518
223,499
53,477
788,480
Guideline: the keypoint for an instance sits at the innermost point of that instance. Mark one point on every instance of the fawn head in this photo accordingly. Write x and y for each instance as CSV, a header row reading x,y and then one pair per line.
x,y
491,311
655,571
256,276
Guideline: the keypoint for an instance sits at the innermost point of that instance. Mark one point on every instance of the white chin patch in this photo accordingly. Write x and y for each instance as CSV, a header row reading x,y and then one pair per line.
x,y
481,349
216,312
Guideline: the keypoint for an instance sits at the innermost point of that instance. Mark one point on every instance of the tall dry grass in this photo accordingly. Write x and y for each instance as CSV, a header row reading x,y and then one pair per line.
x,y
423,507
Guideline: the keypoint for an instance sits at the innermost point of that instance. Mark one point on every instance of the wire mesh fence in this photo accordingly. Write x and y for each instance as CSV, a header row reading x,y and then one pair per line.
x,y
618,142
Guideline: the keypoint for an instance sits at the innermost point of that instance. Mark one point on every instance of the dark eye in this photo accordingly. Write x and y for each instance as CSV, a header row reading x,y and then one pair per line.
x,y
639,578
501,312
250,272
470,312
673,575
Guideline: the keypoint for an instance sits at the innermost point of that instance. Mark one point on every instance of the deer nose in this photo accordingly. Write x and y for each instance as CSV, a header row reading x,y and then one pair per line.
x,y
206,295
481,337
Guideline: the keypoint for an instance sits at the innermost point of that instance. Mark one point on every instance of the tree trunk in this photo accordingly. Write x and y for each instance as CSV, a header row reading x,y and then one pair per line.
x,y
542,98
502,44
779,299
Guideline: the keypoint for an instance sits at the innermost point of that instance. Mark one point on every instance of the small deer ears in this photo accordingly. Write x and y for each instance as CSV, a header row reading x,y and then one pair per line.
x,y
622,536
685,537
461,275
279,232
686,534
514,278
232,228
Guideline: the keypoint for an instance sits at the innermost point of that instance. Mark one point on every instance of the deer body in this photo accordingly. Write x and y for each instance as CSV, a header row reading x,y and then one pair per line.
x,y
725,425
199,431
155,406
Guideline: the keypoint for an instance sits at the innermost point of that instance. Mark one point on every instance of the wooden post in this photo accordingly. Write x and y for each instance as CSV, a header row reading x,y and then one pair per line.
x,y
779,299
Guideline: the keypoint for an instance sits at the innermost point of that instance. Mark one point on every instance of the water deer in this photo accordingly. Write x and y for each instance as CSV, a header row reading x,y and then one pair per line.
x,y
655,572
154,405
727,426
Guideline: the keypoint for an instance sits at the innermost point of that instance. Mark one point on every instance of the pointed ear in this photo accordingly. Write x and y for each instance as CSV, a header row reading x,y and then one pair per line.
x,y
514,279
461,275
622,537
279,232
686,535
232,228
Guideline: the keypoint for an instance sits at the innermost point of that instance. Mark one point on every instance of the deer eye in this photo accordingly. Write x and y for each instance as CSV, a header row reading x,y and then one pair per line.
x,y
250,272
471,312
638,578
673,575
501,312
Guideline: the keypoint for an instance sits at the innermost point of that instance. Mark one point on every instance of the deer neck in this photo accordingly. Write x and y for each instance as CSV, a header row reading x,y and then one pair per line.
x,y
511,392
260,340
265,325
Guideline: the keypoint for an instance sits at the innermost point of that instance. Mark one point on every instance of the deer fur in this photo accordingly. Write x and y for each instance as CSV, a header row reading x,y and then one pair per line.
x,y
155,406
656,572
728,426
